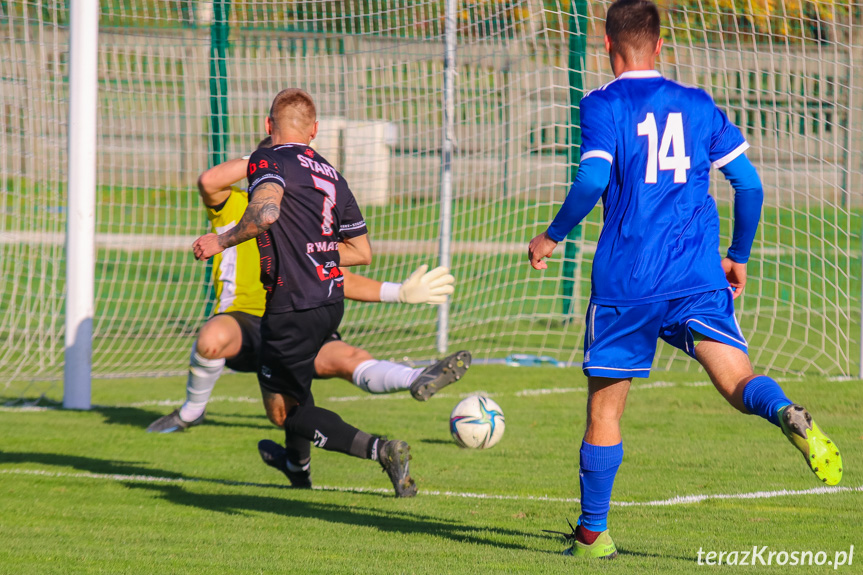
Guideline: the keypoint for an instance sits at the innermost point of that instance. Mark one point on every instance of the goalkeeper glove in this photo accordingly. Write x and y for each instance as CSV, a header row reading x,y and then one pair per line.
x,y
422,286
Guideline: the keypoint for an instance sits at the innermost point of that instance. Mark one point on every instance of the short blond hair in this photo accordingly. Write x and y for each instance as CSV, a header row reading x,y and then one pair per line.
x,y
293,108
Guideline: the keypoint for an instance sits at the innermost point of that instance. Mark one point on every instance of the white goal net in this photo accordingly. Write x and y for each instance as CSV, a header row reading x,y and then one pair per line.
x,y
184,84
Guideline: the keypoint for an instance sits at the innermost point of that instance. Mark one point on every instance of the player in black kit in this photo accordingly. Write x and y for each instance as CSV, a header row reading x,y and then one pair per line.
x,y
307,225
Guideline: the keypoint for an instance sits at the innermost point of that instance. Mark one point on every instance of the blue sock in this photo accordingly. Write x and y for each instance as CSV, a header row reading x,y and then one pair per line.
x,y
763,396
598,467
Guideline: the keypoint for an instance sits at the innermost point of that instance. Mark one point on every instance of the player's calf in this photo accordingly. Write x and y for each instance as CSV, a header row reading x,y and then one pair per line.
x,y
277,407
731,373
339,359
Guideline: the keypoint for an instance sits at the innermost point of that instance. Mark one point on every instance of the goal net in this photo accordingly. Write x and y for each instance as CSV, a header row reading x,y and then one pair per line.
x,y
184,84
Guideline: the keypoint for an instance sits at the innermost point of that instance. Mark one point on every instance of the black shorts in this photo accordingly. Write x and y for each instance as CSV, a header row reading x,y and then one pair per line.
x,y
250,328
290,341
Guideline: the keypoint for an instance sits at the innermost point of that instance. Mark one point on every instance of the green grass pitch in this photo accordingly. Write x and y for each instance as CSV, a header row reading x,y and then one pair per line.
x,y
91,492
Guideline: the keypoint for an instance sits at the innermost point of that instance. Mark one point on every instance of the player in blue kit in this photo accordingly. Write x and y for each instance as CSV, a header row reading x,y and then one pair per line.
x,y
648,144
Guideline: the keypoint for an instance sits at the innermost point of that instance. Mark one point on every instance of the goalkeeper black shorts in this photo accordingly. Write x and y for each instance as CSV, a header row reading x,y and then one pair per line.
x,y
250,328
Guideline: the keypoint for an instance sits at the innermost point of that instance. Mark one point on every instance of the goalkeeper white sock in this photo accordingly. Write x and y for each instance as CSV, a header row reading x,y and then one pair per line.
x,y
203,374
377,376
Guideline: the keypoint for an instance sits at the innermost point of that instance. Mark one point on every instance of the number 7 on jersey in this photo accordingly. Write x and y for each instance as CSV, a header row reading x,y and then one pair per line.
x,y
329,189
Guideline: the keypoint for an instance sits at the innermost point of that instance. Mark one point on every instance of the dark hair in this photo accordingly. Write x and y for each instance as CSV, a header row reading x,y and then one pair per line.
x,y
265,143
293,106
633,25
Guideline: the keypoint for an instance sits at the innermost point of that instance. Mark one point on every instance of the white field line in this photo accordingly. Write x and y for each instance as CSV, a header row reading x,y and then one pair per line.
x,y
677,500
522,393
151,403
377,397
141,242
170,402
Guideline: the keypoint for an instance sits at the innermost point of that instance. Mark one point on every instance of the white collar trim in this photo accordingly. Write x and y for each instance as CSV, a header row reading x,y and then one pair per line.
x,y
639,74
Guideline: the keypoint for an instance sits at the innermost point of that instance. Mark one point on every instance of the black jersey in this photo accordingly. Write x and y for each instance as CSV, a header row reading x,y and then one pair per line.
x,y
299,253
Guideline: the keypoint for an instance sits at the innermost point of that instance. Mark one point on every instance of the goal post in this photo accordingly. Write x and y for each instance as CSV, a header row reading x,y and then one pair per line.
x,y
81,207
446,153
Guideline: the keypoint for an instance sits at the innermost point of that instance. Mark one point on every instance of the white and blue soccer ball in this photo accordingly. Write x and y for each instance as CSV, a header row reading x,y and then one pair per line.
x,y
477,422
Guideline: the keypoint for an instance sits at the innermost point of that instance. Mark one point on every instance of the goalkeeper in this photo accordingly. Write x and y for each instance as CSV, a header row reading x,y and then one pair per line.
x,y
231,338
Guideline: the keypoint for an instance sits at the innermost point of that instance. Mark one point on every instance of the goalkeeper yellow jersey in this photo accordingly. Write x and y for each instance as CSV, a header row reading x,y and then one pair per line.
x,y
237,270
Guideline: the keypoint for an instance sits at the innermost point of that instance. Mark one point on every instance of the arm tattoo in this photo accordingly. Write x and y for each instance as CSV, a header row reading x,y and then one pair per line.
x,y
261,213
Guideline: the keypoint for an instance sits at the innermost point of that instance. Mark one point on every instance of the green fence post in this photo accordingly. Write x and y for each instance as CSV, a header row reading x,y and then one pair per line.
x,y
576,62
219,82
218,108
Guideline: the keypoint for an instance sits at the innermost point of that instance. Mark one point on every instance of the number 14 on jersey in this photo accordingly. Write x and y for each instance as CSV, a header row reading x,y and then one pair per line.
x,y
672,140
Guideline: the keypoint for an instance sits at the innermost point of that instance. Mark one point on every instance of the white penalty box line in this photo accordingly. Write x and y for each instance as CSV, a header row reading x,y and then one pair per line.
x,y
677,500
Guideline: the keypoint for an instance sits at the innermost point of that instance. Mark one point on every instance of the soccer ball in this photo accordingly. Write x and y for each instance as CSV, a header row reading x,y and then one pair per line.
x,y
477,422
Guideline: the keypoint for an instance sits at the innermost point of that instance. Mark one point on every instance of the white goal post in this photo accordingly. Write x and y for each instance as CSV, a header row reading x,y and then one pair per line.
x,y
81,207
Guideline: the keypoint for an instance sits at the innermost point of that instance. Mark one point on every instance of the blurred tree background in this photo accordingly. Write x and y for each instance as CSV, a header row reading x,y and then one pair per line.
x,y
791,21
783,21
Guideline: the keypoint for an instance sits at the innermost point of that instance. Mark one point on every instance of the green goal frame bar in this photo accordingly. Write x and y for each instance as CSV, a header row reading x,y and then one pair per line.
x,y
577,51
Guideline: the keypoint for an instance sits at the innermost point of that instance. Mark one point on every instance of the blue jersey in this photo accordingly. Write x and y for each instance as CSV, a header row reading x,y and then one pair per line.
x,y
660,237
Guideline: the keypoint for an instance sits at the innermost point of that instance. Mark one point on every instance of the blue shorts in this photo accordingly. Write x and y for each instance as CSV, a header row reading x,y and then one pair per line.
x,y
620,342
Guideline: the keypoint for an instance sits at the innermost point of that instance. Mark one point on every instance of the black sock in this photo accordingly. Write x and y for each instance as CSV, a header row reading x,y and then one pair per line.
x,y
365,446
374,446
299,449
327,430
